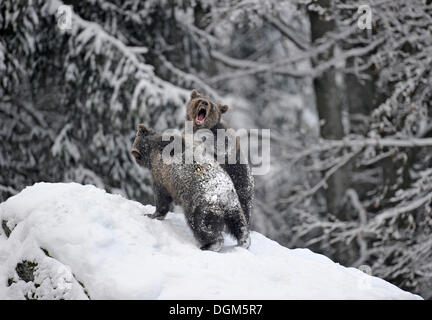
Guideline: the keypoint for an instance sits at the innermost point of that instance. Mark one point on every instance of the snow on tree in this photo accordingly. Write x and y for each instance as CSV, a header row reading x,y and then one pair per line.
x,y
71,99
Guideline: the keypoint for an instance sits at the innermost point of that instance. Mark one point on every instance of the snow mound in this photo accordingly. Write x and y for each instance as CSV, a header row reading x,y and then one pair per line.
x,y
72,241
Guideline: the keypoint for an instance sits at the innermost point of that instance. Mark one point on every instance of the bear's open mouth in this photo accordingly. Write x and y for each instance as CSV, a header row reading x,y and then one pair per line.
x,y
201,115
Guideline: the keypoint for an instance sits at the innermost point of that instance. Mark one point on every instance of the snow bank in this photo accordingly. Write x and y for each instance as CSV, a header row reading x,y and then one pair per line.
x,y
77,242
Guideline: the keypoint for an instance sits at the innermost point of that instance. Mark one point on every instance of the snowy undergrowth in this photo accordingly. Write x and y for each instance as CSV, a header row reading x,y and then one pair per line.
x,y
70,241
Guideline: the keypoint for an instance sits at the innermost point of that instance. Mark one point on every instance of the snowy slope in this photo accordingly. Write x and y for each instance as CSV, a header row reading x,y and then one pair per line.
x,y
73,241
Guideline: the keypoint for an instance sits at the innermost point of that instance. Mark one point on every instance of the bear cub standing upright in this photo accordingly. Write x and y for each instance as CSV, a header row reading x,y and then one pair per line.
x,y
205,192
206,114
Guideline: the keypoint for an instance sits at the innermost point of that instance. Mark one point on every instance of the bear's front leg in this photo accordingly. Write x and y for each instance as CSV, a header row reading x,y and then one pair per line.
x,y
163,201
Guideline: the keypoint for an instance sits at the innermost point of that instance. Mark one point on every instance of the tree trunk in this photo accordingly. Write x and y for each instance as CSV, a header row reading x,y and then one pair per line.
x,y
329,106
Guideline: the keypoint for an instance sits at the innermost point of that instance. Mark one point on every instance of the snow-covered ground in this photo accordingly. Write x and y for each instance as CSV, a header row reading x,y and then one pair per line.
x,y
73,241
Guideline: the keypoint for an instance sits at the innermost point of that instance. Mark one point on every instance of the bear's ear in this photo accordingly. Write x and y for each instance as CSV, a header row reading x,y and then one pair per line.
x,y
223,108
194,94
142,130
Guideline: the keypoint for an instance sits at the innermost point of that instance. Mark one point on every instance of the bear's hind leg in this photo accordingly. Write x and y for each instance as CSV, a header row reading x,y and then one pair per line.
x,y
238,226
207,228
214,246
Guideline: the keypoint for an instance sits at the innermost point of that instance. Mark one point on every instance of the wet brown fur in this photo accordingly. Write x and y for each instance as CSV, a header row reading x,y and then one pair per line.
x,y
213,110
193,186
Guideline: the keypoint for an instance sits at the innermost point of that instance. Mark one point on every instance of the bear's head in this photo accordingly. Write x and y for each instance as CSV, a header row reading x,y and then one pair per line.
x,y
204,112
142,145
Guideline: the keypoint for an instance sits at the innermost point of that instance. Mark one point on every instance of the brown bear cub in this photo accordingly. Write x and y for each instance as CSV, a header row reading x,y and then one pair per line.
x,y
206,114
204,190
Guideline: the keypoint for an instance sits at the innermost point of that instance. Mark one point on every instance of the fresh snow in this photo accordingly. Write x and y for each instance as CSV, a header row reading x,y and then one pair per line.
x,y
100,245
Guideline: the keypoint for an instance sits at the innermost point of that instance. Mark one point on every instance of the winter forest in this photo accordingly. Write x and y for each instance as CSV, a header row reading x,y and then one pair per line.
x,y
344,86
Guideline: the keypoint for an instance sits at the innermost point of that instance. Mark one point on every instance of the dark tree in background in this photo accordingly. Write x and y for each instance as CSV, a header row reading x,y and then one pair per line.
x,y
328,100
349,110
